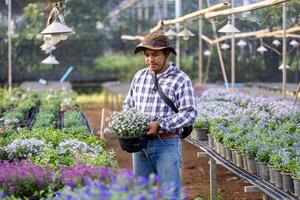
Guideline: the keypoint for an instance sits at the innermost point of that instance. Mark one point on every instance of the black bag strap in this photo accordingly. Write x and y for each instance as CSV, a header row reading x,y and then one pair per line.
x,y
162,94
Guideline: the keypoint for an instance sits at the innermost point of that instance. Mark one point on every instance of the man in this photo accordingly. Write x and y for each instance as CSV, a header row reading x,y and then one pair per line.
x,y
163,154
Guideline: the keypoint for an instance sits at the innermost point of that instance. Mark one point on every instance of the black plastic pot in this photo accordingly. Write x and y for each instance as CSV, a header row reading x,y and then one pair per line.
x,y
133,144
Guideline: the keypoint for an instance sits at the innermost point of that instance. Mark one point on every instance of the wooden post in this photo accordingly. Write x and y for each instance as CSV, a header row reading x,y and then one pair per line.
x,y
200,48
102,123
116,102
232,51
213,179
284,49
105,97
296,95
220,55
111,101
219,50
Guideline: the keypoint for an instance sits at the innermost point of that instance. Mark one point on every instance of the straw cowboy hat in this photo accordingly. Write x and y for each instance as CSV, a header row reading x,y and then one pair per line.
x,y
154,41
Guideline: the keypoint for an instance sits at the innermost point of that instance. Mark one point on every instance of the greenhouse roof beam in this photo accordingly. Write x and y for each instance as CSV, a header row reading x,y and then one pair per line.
x,y
122,6
242,9
279,32
240,35
190,16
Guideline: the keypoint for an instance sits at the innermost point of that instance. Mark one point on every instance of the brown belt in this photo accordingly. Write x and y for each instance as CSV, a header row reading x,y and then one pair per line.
x,y
164,136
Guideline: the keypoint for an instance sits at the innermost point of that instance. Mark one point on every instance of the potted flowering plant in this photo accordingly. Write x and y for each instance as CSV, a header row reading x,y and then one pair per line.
x,y
201,127
129,126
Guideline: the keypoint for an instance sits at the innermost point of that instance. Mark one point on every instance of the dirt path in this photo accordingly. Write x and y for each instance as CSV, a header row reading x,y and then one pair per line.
x,y
195,170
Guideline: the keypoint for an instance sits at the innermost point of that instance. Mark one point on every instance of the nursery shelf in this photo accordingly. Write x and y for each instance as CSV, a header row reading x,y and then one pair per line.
x,y
263,185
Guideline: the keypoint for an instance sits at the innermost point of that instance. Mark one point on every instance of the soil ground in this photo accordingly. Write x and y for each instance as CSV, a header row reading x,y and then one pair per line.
x,y
195,169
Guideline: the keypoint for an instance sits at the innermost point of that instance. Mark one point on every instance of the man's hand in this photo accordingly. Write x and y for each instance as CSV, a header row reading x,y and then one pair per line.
x,y
153,128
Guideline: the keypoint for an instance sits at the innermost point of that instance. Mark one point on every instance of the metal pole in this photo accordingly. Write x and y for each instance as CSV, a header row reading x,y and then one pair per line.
x,y
165,9
9,46
177,14
146,10
200,56
284,49
297,66
232,50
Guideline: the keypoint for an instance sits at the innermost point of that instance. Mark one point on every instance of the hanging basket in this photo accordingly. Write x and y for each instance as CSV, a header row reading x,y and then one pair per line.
x,y
133,144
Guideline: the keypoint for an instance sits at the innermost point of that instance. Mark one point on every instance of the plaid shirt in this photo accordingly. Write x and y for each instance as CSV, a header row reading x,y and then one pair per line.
x,y
176,85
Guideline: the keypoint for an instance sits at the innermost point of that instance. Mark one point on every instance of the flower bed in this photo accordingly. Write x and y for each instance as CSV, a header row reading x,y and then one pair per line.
x,y
264,129
16,108
56,158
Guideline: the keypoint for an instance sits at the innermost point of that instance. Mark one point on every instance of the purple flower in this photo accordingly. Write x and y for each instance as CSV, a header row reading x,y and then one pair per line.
x,y
123,185
77,175
23,178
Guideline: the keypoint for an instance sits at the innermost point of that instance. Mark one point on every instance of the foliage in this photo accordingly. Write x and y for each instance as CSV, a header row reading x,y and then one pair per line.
x,y
54,159
128,123
265,129
124,65
77,147
20,149
201,123
25,179
73,119
75,176
124,185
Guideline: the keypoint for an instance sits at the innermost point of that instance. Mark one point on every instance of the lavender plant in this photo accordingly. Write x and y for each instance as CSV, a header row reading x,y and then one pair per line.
x,y
25,179
76,176
124,185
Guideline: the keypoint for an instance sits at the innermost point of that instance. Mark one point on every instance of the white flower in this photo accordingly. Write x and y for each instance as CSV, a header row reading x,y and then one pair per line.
x,y
128,123
76,146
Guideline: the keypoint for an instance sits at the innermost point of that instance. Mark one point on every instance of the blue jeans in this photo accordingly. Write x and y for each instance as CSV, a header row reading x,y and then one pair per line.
x,y
164,158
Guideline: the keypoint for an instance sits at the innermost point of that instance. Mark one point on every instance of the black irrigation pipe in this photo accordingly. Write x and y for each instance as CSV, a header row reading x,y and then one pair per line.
x,y
60,120
87,122
31,119
263,185
31,115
